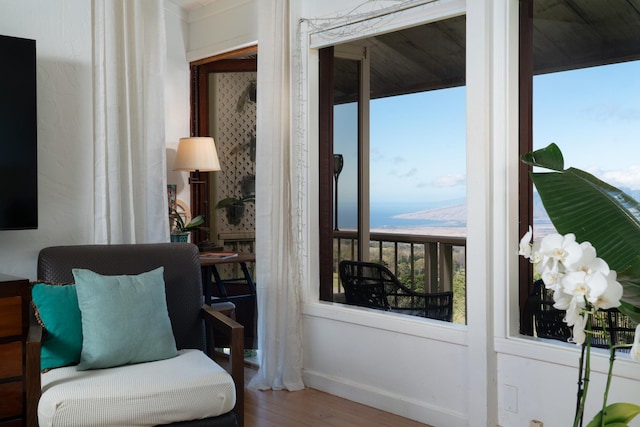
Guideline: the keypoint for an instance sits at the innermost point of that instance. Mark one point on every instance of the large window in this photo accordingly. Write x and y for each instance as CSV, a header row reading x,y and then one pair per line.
x,y
580,88
393,150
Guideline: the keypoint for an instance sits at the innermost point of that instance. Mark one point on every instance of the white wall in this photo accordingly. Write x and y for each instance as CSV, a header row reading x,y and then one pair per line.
x,y
222,26
544,379
413,367
177,94
62,30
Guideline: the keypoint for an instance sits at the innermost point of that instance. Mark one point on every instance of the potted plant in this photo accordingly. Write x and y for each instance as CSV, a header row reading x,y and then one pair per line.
x,y
235,207
181,231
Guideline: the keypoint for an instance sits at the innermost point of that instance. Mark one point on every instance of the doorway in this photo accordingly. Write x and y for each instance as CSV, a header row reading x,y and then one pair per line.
x,y
223,106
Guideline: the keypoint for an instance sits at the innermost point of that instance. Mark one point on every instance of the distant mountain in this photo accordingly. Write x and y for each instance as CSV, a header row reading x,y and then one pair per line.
x,y
539,214
449,213
458,212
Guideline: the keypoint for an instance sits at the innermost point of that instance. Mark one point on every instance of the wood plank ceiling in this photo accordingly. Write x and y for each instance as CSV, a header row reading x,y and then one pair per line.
x,y
568,34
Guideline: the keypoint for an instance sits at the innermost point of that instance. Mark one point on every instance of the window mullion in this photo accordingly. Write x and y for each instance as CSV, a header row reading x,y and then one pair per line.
x,y
364,160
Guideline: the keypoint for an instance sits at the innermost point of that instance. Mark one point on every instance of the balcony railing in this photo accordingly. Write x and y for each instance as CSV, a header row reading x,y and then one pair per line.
x,y
423,263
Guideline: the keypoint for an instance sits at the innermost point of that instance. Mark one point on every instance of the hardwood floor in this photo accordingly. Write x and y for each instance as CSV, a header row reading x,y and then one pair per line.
x,y
312,408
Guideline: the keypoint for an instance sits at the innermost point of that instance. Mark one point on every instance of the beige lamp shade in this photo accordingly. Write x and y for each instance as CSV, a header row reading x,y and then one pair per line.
x,y
197,154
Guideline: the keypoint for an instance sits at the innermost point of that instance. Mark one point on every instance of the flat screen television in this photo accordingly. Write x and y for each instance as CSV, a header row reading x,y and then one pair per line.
x,y
18,134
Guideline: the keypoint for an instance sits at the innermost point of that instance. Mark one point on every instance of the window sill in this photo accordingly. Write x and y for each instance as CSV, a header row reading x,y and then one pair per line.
x,y
567,354
407,325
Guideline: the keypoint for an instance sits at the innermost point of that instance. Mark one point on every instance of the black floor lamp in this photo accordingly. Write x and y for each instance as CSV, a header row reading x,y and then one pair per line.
x,y
338,163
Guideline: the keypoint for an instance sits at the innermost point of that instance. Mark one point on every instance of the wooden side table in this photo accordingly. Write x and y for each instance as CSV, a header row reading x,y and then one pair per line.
x,y
240,291
14,327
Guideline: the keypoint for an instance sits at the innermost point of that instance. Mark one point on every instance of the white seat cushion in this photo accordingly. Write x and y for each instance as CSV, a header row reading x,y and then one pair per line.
x,y
187,387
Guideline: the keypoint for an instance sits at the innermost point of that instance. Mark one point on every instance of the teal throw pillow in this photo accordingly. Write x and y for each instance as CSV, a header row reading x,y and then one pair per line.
x,y
56,308
124,319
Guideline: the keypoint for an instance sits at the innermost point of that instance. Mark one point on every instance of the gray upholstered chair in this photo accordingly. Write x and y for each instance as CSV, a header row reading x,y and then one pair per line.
x,y
190,320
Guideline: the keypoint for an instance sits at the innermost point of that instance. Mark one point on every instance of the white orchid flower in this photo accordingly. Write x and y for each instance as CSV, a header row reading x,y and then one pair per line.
x,y
634,354
551,277
577,277
559,251
536,255
578,335
611,296
582,285
561,300
588,262
574,310
525,244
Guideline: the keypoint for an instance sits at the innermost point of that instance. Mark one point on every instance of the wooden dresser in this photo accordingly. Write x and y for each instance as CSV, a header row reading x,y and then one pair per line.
x,y
14,327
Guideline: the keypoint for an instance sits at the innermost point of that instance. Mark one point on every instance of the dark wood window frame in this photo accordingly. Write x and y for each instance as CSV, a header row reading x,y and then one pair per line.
x,y
326,173
525,186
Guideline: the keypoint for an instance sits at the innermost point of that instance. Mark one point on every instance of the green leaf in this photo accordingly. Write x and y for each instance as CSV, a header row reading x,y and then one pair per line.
x,y
232,201
616,415
578,202
631,310
549,157
226,202
196,221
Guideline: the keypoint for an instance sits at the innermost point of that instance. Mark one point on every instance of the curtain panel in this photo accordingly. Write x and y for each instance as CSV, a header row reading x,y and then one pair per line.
x,y
278,246
129,55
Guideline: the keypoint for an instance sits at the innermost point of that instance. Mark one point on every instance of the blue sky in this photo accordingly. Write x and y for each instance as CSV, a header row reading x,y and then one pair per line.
x,y
593,114
417,146
418,140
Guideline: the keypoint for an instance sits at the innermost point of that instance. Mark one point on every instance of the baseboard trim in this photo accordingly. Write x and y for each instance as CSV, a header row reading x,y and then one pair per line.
x,y
409,408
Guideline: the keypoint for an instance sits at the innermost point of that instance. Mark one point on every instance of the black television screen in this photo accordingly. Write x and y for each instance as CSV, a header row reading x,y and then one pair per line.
x,y
18,135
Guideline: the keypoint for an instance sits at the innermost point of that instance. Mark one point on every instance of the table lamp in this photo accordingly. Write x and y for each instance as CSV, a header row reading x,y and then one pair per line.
x,y
197,154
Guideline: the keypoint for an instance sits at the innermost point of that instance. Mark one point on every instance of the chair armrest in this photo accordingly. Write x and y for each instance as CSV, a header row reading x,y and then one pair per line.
x,y
32,369
217,321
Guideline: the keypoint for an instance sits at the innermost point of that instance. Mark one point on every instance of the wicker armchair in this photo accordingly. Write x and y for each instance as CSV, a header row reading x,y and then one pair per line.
x,y
372,285
549,323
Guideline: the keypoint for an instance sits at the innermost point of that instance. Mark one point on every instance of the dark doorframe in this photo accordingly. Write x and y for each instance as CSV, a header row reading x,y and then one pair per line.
x,y
235,61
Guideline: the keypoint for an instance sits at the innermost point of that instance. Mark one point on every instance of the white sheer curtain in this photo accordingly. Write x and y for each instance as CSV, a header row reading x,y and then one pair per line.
x,y
277,247
129,51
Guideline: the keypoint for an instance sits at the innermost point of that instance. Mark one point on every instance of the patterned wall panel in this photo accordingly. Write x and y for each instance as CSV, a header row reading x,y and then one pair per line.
x,y
234,124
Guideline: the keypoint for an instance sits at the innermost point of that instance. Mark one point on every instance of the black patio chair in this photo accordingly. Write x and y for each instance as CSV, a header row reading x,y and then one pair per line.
x,y
372,285
548,321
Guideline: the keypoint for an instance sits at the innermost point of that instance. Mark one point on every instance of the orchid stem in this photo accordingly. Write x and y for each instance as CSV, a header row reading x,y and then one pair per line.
x,y
612,358
580,382
587,374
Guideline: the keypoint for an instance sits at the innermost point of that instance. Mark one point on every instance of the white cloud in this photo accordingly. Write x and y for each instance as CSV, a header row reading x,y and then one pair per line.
x,y
411,172
612,111
449,181
629,178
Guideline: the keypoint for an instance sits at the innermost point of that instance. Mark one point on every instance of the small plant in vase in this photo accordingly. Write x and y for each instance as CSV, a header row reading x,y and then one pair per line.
x,y
181,230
